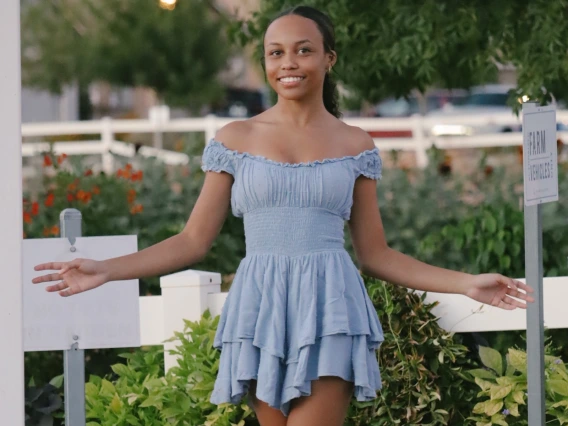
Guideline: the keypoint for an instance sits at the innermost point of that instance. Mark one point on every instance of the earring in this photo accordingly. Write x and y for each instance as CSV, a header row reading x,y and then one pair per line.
x,y
329,69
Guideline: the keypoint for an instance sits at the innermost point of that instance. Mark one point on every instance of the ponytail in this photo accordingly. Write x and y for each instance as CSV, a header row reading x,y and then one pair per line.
x,y
331,96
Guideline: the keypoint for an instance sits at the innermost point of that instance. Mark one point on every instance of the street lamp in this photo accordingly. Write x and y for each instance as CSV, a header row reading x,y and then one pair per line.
x,y
168,4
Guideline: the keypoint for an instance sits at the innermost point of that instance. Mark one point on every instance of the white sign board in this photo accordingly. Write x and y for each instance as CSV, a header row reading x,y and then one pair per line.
x,y
106,317
540,154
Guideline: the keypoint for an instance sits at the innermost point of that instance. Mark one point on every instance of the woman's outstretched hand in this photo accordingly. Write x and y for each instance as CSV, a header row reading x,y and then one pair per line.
x,y
73,277
500,291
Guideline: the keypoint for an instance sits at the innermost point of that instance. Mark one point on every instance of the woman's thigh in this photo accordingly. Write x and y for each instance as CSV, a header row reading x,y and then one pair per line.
x,y
266,415
326,406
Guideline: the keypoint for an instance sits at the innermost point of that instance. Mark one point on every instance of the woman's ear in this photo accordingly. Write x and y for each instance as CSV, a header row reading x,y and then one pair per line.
x,y
332,58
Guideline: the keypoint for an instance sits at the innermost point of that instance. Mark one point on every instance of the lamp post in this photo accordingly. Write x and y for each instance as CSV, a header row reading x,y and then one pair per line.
x,y
168,4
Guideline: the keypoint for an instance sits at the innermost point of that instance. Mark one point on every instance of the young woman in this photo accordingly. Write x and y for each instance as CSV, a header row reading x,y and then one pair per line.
x,y
298,332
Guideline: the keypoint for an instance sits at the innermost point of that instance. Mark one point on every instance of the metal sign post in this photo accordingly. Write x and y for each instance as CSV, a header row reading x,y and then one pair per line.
x,y
540,175
73,358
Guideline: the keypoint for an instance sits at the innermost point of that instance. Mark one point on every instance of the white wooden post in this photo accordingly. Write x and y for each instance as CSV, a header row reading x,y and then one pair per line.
x,y
11,307
107,137
185,297
420,145
210,127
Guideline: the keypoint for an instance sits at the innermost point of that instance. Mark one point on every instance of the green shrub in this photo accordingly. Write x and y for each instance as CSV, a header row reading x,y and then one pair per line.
x,y
140,393
503,397
420,365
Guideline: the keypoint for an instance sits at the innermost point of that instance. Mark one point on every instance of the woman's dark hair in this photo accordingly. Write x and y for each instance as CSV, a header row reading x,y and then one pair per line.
x,y
325,26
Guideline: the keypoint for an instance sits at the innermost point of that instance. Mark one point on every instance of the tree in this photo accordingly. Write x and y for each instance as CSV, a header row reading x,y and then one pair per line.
x,y
178,52
390,47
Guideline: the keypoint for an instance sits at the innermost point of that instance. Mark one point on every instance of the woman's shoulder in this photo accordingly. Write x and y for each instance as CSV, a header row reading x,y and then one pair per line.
x,y
235,134
358,139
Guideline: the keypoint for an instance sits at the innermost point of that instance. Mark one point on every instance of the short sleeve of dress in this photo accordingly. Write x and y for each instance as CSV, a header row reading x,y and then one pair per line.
x,y
218,158
370,164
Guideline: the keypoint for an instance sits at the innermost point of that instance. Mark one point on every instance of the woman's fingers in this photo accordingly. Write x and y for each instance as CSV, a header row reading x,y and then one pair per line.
x,y
57,287
62,268
519,295
47,278
49,265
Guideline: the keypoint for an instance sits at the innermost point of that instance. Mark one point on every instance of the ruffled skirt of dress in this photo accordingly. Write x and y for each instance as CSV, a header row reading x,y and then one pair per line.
x,y
290,320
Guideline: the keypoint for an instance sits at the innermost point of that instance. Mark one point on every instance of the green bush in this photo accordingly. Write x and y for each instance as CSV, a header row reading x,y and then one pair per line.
x,y
421,365
141,394
503,397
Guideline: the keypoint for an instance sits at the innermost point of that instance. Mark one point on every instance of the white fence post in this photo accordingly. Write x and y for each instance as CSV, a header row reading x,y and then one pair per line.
x,y
210,127
107,137
420,142
185,297
11,308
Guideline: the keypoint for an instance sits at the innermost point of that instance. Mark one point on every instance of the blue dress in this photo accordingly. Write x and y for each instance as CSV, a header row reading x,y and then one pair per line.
x,y
297,308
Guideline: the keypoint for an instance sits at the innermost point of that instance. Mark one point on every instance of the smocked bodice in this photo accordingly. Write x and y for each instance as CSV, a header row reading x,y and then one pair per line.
x,y
292,208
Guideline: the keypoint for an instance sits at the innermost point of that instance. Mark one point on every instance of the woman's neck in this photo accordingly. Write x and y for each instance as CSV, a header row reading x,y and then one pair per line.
x,y
300,113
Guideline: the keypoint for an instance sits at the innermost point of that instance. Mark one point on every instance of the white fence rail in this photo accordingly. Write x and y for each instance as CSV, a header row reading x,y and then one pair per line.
x,y
186,295
414,132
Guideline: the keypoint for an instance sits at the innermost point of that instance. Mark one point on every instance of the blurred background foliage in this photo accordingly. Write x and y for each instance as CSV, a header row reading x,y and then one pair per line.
x,y
396,46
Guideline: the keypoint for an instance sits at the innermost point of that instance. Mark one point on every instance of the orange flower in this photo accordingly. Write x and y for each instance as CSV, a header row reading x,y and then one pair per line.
x,y
27,217
137,175
46,231
123,173
88,172
35,208
131,196
83,196
47,161
96,190
70,197
128,167
49,200
55,230
137,208
61,158
72,187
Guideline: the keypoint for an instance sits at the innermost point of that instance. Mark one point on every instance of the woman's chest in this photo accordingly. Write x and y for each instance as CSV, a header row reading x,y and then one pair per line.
x,y
326,185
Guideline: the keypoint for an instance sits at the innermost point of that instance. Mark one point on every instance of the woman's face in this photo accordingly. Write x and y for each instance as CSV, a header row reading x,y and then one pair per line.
x,y
295,58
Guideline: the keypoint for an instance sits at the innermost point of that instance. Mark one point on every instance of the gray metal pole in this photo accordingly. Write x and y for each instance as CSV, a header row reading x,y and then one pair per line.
x,y
535,316
73,358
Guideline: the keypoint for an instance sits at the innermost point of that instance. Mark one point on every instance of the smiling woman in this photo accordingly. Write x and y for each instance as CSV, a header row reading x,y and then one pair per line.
x,y
289,62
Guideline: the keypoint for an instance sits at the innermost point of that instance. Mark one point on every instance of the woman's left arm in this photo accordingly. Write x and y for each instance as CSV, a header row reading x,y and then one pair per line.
x,y
378,260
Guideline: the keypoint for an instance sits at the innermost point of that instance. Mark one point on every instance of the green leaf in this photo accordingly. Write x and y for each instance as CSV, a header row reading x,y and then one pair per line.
x,y
518,360
500,392
57,381
493,407
482,373
519,397
491,359
121,370
558,386
116,404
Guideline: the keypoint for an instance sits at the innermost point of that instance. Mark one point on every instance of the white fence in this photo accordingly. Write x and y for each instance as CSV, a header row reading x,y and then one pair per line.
x,y
414,132
186,295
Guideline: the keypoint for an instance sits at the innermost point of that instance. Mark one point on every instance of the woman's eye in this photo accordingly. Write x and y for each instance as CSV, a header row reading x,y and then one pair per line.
x,y
275,53
304,50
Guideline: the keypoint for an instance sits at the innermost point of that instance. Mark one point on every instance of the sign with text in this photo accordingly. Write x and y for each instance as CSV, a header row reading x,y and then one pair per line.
x,y
106,317
540,154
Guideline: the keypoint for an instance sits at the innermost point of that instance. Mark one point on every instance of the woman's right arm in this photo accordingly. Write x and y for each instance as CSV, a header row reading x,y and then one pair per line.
x,y
190,245
181,250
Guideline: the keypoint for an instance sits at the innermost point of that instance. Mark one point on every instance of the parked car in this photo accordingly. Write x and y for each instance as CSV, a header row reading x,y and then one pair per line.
x,y
483,100
406,107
